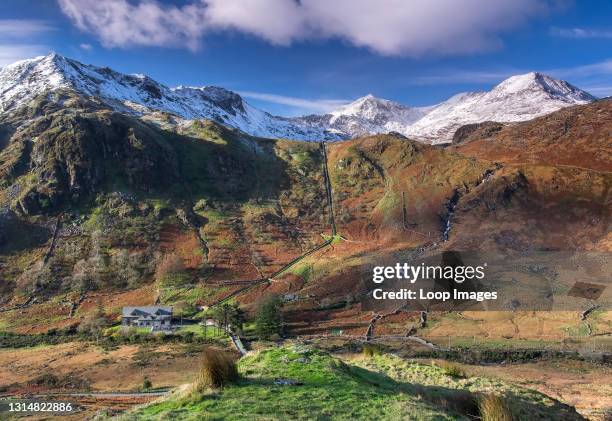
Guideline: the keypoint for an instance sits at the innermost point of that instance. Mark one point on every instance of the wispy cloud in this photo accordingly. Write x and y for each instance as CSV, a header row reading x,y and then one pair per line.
x,y
600,91
586,73
23,28
580,33
85,46
387,27
602,68
12,53
21,38
451,77
308,105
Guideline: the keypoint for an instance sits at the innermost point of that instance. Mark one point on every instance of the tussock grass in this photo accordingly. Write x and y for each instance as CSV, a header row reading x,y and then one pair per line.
x,y
463,402
370,350
385,388
218,369
452,369
494,408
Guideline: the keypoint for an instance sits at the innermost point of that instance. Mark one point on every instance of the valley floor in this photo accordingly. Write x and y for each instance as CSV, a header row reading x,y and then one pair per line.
x,y
82,367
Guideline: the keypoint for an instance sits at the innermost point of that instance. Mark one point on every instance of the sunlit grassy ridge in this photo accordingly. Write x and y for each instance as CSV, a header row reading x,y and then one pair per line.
x,y
381,387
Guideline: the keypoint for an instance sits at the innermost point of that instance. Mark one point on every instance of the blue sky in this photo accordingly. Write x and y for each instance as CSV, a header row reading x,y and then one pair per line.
x,y
291,57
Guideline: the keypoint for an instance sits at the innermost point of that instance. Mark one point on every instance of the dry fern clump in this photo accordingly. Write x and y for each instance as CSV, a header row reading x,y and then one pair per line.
x,y
494,408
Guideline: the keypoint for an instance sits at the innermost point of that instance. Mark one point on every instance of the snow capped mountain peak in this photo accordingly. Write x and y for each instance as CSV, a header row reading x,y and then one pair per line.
x,y
138,94
370,114
367,104
518,83
364,99
518,98
23,80
536,81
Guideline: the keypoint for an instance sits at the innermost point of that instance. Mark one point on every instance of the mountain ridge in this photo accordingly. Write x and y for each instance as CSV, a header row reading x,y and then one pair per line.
x,y
140,94
518,98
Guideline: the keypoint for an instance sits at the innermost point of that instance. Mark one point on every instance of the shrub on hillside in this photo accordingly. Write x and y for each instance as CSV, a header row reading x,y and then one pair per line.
x,y
494,408
52,381
38,278
218,369
229,316
146,384
124,268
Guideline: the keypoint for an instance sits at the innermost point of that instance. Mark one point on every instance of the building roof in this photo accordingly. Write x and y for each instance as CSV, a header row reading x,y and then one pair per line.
x,y
147,311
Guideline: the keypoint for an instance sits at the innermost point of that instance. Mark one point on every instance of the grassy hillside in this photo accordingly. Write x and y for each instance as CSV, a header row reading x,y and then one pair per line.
x,y
378,387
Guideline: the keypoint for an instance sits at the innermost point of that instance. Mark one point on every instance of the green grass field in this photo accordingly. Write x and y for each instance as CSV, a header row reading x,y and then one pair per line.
x,y
381,387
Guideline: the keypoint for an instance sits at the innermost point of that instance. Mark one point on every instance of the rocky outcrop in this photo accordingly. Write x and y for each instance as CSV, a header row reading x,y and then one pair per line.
x,y
73,155
476,131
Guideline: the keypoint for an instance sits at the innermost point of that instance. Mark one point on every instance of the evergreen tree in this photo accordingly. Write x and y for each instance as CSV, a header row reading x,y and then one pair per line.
x,y
269,319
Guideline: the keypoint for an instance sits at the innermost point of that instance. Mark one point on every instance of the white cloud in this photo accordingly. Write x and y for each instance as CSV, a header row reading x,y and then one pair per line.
x,y
389,27
277,21
307,105
11,53
397,27
85,46
581,33
119,23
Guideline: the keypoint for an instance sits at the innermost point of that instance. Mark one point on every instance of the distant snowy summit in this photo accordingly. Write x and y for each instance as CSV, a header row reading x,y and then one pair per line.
x,y
369,115
517,98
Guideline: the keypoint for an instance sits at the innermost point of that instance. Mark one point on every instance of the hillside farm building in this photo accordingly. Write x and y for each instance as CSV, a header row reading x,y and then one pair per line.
x,y
155,317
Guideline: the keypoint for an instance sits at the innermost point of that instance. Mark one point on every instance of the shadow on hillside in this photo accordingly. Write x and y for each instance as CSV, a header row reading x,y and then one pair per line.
x,y
234,168
17,235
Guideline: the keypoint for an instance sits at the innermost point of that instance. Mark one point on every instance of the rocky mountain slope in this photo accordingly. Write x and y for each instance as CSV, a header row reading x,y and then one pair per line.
x,y
578,136
518,98
93,200
138,94
254,204
94,203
